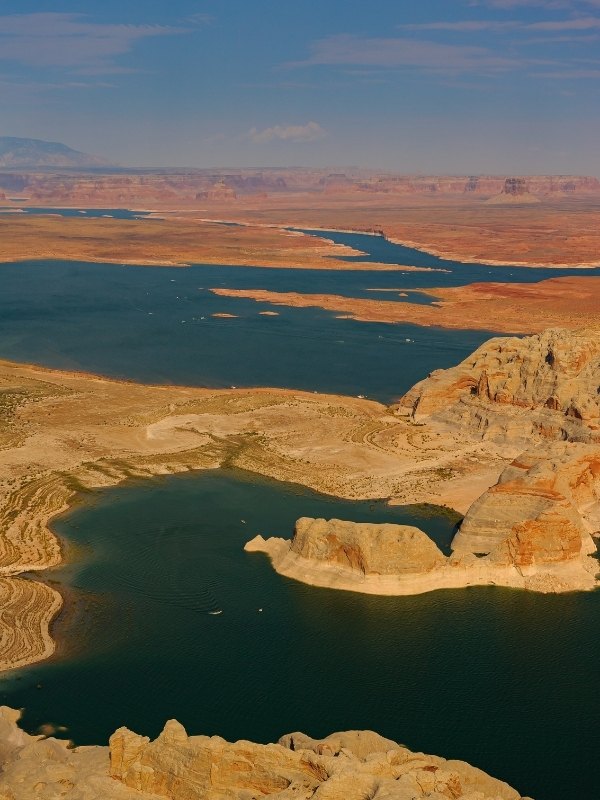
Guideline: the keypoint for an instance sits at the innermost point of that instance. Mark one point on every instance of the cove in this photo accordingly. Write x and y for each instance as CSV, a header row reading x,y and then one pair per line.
x,y
503,679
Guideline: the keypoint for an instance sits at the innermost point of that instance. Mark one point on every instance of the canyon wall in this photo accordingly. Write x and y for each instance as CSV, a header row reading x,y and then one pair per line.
x,y
135,186
541,387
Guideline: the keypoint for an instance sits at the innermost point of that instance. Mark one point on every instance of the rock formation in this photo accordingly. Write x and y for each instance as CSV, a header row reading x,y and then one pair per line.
x,y
540,387
515,190
533,530
373,549
109,186
543,510
344,766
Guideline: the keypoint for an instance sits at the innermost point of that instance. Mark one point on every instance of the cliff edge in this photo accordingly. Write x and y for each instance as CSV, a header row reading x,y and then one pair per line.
x,y
517,389
344,766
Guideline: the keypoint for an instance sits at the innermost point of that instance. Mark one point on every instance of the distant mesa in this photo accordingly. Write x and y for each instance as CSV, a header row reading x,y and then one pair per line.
x,y
516,190
41,180
218,191
16,152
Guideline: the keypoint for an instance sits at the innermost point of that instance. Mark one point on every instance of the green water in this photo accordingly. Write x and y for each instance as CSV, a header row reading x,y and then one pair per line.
x,y
503,679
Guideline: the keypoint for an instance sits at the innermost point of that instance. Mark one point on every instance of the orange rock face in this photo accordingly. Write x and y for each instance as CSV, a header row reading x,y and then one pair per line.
x,y
344,766
368,548
543,386
551,538
543,510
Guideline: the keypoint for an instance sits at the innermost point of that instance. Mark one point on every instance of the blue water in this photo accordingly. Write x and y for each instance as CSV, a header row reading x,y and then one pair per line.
x,y
503,679
154,324
113,213
453,273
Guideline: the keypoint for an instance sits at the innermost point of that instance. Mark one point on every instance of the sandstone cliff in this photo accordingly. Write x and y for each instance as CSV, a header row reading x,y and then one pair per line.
x,y
372,549
534,528
543,510
514,390
530,531
344,766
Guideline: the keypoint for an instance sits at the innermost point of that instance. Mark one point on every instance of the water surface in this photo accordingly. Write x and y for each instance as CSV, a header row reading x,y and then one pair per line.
x,y
45,211
155,325
501,678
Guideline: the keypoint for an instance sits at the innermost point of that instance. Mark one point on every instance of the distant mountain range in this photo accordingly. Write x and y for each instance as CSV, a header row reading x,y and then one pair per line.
x,y
33,153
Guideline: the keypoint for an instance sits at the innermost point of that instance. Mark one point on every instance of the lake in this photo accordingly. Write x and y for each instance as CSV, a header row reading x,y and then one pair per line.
x,y
501,678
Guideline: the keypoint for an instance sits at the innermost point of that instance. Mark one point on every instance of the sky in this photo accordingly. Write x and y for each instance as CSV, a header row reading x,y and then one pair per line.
x,y
434,86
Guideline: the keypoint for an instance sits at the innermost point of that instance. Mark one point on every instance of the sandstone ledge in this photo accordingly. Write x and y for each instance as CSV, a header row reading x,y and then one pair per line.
x,y
344,766
28,608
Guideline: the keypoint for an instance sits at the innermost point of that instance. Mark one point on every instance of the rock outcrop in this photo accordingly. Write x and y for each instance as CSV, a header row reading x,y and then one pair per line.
x,y
515,190
344,766
529,532
359,556
372,549
540,387
543,510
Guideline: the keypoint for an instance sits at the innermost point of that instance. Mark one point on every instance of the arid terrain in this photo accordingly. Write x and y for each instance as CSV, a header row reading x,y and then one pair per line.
x,y
506,307
487,219
171,242
65,433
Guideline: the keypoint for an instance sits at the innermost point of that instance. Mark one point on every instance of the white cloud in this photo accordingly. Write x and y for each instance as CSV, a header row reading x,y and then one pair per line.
x,y
52,39
288,133
347,49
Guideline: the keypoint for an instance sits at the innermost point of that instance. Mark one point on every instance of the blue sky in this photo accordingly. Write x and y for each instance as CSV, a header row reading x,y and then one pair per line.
x,y
455,86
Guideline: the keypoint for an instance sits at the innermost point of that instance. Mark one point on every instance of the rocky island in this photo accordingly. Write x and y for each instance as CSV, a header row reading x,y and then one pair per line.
x,y
344,766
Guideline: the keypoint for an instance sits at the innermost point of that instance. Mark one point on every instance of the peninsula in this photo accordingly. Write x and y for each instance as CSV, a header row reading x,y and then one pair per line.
x,y
572,302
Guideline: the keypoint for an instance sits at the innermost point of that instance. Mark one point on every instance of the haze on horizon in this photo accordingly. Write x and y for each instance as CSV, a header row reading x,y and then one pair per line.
x,y
472,86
